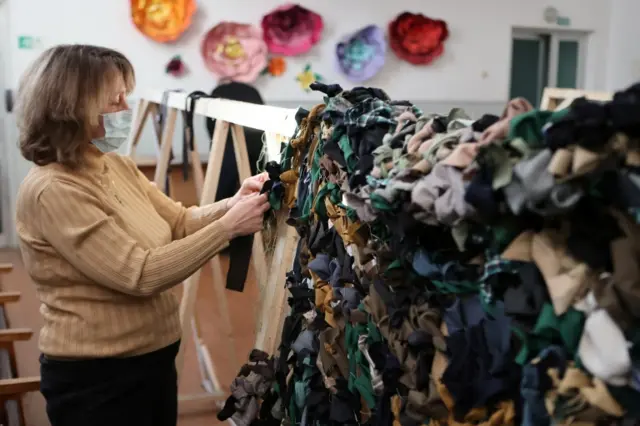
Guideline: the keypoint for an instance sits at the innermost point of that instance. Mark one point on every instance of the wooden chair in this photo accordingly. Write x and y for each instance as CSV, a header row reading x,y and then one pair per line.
x,y
14,388
9,297
9,336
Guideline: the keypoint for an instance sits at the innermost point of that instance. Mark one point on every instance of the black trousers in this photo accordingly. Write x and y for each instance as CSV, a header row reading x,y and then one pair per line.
x,y
134,391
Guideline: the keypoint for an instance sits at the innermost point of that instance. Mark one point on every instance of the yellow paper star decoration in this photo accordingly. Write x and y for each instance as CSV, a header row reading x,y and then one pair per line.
x,y
306,77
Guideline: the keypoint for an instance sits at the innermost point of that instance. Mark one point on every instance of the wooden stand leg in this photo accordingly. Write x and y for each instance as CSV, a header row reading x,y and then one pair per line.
x,y
198,176
187,306
142,112
274,306
160,177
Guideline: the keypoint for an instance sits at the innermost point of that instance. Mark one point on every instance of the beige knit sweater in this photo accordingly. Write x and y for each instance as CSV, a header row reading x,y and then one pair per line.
x,y
103,246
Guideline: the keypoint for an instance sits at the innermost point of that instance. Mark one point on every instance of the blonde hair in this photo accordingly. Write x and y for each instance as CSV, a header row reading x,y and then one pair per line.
x,y
60,98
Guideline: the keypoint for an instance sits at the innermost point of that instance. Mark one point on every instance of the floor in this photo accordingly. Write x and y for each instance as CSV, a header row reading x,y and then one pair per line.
x,y
26,314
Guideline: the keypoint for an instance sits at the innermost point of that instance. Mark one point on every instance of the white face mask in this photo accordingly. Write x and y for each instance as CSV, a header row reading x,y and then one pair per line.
x,y
117,126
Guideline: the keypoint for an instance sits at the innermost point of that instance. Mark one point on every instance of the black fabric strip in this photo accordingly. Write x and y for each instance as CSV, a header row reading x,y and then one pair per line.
x,y
188,144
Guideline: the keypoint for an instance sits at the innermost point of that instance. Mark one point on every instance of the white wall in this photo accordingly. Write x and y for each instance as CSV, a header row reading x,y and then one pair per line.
x,y
473,73
623,60
479,45
5,189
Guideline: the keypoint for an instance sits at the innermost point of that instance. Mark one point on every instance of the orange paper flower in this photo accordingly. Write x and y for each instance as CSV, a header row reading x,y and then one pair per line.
x,y
277,66
162,20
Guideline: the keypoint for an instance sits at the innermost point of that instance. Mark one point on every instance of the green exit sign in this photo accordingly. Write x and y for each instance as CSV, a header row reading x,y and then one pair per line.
x,y
28,42
563,21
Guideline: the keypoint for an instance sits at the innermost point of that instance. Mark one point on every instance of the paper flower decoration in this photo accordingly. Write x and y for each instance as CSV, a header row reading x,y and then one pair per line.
x,y
306,77
176,67
162,20
416,38
361,55
235,52
291,30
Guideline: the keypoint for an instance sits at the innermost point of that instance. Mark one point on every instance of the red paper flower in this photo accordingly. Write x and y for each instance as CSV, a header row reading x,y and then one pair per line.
x,y
291,30
176,67
416,38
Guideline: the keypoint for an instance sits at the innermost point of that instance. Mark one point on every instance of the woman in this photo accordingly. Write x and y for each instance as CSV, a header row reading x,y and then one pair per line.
x,y
104,246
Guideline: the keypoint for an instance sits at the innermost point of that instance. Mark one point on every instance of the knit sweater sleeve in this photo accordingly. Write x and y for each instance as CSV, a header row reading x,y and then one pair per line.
x,y
73,221
183,221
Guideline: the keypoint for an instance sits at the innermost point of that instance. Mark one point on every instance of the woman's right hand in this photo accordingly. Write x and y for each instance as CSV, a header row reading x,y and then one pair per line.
x,y
246,216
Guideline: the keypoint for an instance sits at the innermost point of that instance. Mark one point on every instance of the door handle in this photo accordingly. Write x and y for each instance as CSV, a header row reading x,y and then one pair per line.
x,y
8,100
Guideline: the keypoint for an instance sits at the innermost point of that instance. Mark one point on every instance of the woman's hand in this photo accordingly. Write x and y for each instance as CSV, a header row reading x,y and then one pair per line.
x,y
249,187
246,216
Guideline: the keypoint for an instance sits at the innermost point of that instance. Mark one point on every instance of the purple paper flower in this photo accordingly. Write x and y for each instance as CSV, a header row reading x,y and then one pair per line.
x,y
361,55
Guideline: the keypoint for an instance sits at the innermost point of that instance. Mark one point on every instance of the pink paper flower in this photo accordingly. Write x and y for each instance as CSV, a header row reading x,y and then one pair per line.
x,y
291,30
235,52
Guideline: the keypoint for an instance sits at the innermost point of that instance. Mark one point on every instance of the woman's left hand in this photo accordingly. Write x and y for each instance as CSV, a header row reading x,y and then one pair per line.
x,y
249,187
